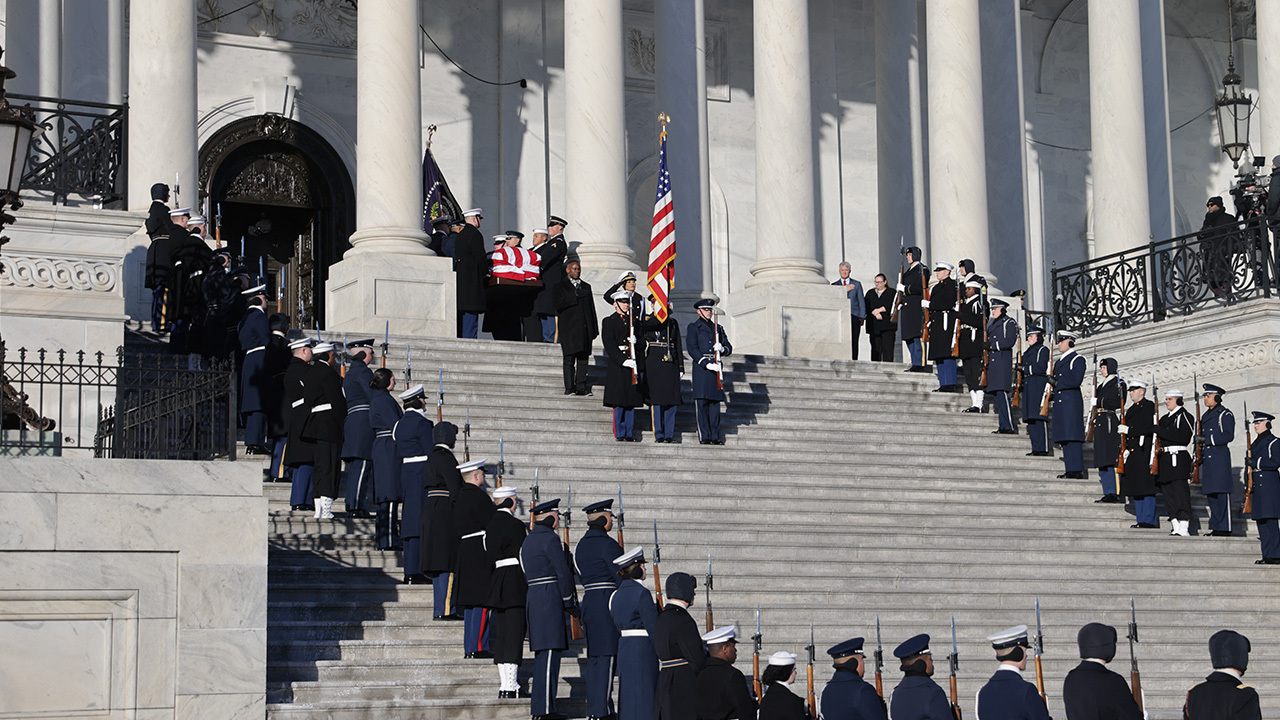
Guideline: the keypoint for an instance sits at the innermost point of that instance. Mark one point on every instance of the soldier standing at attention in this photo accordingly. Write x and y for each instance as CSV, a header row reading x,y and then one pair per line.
x,y
415,438
1217,430
357,432
472,511
1035,376
678,644
942,326
323,427
255,333
973,339
705,341
636,618
911,311
779,703
275,362
594,558
1139,429
471,262
1007,696
1176,431
624,374
1106,433
724,693
847,696
508,590
384,413
918,697
1265,462
439,548
1223,695
1002,335
1091,691
664,364
298,453
1068,405
555,293
545,562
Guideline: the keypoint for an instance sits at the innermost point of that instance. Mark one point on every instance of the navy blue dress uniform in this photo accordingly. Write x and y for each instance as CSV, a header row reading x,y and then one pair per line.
x,y
1035,377
219,296
942,329
1137,482
255,392
779,703
664,364
1265,461
556,293
439,537
593,558
973,314
847,696
471,263
911,312
636,617
917,697
1002,336
1176,431
472,511
576,327
1068,408
1007,696
700,340
1218,430
323,427
1224,695
1091,691
1106,430
384,413
357,432
624,349
678,645
723,691
415,439
299,454
543,557
508,590
276,361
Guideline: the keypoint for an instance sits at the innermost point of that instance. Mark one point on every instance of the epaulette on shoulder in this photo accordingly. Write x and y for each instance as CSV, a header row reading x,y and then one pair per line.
x,y
1242,686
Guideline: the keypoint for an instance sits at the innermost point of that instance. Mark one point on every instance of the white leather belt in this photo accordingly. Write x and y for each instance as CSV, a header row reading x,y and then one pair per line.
x,y
506,562
1176,448
254,350
639,632
474,534
416,459
298,402
322,408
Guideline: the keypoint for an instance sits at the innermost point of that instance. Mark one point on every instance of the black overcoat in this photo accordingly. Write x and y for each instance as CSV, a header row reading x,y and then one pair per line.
x,y
472,267
577,322
910,314
472,511
664,360
942,319
1140,419
618,388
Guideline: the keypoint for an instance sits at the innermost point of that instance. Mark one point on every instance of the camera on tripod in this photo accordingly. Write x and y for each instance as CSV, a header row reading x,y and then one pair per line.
x,y
1250,190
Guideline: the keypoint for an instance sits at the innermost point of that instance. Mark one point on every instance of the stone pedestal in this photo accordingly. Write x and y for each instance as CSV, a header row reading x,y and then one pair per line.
x,y
794,319
415,293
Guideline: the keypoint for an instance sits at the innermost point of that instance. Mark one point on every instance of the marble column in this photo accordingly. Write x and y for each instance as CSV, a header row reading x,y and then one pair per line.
x,y
957,142
898,143
786,307
162,99
1268,138
50,29
22,45
682,94
389,274
1121,216
596,140
117,47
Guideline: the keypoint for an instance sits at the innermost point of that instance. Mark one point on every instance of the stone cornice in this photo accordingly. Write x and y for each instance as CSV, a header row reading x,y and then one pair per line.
x,y
60,272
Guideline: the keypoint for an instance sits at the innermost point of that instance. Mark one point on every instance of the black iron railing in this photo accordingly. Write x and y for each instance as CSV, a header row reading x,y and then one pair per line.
x,y
143,406
81,151
1178,276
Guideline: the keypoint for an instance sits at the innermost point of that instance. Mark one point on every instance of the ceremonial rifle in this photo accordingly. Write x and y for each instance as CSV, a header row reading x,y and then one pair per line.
x,y
924,286
536,492
657,559
986,344
280,291
1017,389
575,623
408,364
1048,385
1248,462
1093,413
622,519
1197,437
342,366
176,202
466,437
217,228
715,340
1155,447
954,658
440,399
711,578
631,344
955,342
1124,437
756,641
1039,650
902,272
502,461
1135,678
813,699
879,656
386,341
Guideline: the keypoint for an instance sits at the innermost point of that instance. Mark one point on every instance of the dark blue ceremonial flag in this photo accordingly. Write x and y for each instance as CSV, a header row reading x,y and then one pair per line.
x,y
437,201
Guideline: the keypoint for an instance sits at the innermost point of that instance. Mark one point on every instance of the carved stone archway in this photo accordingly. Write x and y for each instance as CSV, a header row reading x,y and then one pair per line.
x,y
284,190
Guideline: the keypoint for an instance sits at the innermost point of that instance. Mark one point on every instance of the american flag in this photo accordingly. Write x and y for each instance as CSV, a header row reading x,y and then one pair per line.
x,y
662,239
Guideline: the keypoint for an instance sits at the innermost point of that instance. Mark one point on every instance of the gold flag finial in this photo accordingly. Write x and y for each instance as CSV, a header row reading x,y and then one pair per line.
x,y
664,119
431,130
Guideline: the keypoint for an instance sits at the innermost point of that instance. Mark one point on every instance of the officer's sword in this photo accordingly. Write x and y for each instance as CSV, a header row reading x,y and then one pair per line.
x,y
711,581
879,660
622,519
1039,650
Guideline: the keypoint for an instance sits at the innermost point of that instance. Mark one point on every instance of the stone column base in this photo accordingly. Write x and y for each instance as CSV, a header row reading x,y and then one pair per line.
x,y
415,293
793,319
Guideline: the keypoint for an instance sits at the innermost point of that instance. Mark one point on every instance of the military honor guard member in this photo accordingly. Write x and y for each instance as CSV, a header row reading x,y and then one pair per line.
x,y
546,565
779,703
1068,405
323,427
678,644
1035,376
1217,431
298,454
1176,431
1106,430
593,559
556,293
636,617
576,328
1002,336
847,695
942,326
911,312
705,340
627,281
1007,696
471,262
664,364
472,511
624,373
439,538
1139,429
357,432
917,697
415,439
1265,462
276,359
1091,691
973,339
255,333
384,413
724,692
1223,695
508,590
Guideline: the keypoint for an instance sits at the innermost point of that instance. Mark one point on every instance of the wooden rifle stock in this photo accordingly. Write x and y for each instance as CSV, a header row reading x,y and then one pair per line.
x,y
1040,681
755,672
621,543
1093,414
575,623
1155,449
657,585
1199,454
924,330
1135,683
813,698
955,699
1017,388
897,296
1048,387
879,683
1248,465
986,360
1124,437
955,342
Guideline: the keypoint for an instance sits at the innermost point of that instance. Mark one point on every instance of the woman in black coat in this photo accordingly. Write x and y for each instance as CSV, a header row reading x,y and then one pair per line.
x,y
664,364
779,703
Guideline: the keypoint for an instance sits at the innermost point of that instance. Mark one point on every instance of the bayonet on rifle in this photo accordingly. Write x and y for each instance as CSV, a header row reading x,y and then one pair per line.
x,y
879,660
711,582
440,399
535,493
1135,678
757,641
813,699
622,519
954,659
1038,648
657,559
466,438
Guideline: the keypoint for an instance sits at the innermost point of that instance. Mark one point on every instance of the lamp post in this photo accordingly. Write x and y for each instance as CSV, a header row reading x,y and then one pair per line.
x,y
17,128
1234,106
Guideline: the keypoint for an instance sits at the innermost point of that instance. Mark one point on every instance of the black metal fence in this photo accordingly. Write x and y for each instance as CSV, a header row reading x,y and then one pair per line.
x,y
142,406
1177,276
82,150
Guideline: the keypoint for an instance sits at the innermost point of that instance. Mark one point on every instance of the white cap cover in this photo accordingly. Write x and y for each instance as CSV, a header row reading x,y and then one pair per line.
x,y
413,392
782,658
720,635
472,465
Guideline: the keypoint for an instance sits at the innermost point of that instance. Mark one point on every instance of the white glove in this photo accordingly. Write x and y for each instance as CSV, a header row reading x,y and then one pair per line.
x,y
924,304
713,367
1124,429
718,347
629,363
1093,402
631,339
900,287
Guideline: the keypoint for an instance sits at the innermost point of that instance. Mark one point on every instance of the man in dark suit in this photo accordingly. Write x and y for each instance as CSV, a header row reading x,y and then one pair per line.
x,y
1091,691
1068,405
857,303
1007,695
577,327
1223,695
678,644
471,262
881,327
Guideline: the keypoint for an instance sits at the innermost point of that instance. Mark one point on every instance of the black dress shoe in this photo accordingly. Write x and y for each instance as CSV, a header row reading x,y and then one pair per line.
x,y
704,442
971,410
522,693
1220,533
1145,526
717,442
566,392
1267,561
552,716
620,439
1042,453
1004,432
297,508
482,655
309,506
417,579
